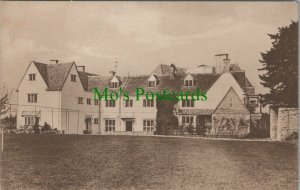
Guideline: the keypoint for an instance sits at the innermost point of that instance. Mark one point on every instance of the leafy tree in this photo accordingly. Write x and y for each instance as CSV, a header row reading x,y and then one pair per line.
x,y
165,118
280,66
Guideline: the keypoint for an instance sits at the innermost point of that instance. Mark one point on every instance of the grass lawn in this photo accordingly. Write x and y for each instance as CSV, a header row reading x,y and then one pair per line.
x,y
132,162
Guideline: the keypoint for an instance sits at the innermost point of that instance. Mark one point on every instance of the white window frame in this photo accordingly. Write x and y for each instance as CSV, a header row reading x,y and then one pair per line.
x,y
187,119
32,98
188,82
96,120
188,103
88,101
151,83
128,103
80,100
148,103
149,125
110,103
73,78
29,120
114,84
32,77
110,125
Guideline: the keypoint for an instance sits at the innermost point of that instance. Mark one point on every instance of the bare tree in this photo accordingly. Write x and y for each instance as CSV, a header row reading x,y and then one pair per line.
x,y
4,101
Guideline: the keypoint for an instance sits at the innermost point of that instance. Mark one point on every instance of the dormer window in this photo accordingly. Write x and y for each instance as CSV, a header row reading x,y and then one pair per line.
x,y
188,83
189,80
73,78
31,77
152,81
114,84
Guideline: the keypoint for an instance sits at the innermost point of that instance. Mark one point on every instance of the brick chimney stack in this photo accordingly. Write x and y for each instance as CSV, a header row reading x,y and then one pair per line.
x,y
173,71
226,64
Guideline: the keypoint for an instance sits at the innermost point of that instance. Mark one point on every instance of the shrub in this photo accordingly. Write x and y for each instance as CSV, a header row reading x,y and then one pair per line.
x,y
86,131
36,129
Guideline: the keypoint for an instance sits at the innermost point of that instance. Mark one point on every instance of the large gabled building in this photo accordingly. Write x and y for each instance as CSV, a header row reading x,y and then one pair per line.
x,y
57,94
62,96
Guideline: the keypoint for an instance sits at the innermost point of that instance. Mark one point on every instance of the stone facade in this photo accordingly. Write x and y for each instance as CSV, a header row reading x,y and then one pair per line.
x,y
231,125
283,123
231,117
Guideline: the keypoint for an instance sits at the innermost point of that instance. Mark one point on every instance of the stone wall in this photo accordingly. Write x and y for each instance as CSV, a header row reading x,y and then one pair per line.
x,y
283,123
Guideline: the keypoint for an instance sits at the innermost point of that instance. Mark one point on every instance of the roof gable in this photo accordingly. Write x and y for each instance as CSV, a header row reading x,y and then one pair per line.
x,y
236,106
55,75
115,79
189,77
152,78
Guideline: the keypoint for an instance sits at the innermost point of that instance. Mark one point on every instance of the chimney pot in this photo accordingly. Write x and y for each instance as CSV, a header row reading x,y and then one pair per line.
x,y
55,60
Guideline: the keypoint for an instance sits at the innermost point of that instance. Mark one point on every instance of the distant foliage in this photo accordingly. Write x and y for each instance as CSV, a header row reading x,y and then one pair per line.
x,y
280,66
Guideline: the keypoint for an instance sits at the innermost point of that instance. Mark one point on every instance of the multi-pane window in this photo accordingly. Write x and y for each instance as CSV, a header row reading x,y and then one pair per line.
x,y
110,103
73,78
31,77
88,101
32,98
151,83
187,119
96,120
114,84
96,102
188,103
148,125
80,100
128,103
230,102
188,83
148,103
29,120
110,125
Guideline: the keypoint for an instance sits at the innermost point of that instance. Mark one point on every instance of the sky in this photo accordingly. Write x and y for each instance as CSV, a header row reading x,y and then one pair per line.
x,y
138,35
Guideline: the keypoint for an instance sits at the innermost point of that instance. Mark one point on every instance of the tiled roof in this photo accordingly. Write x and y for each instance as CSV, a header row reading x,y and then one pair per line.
x,y
240,78
234,68
163,69
202,81
55,75
164,83
84,77
42,68
102,82
195,111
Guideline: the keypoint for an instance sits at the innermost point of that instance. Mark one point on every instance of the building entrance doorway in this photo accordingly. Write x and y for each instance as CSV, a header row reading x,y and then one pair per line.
x,y
129,125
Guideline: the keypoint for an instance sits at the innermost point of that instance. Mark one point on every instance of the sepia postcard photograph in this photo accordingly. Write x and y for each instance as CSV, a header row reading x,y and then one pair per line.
x,y
158,95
